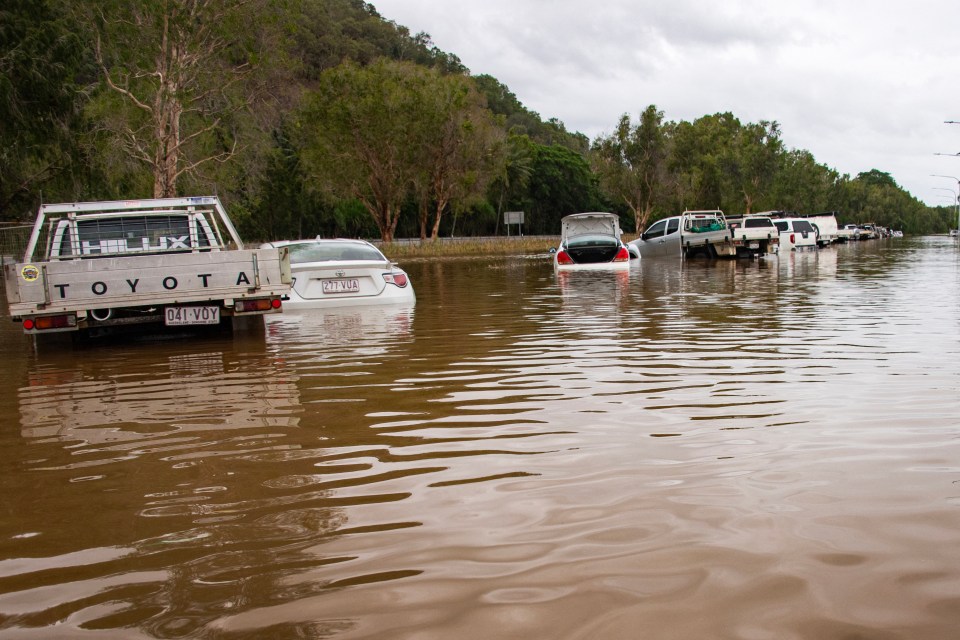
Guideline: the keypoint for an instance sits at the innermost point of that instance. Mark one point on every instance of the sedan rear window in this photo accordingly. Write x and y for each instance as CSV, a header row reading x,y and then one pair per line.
x,y
333,251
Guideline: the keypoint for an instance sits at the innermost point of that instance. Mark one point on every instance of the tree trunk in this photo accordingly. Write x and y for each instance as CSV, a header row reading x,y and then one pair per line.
x,y
441,205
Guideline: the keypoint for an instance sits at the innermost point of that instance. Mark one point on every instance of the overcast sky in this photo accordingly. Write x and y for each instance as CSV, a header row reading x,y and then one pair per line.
x,y
861,85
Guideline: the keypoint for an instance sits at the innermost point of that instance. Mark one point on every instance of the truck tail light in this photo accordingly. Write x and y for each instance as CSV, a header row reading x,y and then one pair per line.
x,y
44,323
793,238
257,304
564,258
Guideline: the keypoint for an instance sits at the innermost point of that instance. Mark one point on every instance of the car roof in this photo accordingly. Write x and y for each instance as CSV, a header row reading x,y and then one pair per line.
x,y
285,243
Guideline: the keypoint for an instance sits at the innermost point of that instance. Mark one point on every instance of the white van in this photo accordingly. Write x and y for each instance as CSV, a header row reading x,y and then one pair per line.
x,y
796,234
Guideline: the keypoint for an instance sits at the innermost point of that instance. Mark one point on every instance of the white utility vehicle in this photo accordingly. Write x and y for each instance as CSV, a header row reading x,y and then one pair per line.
x,y
691,234
170,262
754,235
796,234
826,227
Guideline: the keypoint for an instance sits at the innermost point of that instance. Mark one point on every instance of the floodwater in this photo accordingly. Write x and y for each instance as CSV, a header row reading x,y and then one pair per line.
x,y
752,450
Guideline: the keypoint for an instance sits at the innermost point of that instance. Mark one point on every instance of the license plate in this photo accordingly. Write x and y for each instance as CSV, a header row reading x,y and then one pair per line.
x,y
349,285
185,316
754,245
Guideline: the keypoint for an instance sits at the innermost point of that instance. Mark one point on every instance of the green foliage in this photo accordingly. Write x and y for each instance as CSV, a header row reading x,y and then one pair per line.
x,y
560,183
520,121
42,68
332,32
393,127
631,164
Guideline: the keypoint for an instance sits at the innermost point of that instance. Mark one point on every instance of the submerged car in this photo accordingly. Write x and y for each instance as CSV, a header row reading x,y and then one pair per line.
x,y
591,241
335,273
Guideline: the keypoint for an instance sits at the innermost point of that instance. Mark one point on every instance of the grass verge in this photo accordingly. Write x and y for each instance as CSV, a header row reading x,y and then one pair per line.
x,y
452,247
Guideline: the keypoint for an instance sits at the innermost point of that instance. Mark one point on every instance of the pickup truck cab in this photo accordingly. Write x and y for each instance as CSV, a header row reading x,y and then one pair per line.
x,y
169,262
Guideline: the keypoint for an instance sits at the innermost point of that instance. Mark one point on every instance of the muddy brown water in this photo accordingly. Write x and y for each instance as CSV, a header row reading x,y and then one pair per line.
x,y
714,450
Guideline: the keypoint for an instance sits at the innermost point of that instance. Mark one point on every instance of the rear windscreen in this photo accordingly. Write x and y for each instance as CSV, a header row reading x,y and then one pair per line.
x,y
130,234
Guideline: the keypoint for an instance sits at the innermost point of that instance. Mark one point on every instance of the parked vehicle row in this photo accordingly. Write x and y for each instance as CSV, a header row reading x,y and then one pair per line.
x,y
593,240
164,264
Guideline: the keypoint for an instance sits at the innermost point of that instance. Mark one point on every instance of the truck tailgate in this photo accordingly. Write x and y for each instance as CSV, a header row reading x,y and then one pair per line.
x,y
124,281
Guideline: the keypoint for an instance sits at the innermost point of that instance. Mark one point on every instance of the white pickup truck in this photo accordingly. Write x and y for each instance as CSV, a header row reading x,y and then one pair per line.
x,y
754,235
170,262
691,234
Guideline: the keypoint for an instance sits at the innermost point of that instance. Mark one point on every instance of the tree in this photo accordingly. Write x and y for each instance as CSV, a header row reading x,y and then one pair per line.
x,y
462,146
697,160
632,163
751,160
801,184
180,74
515,171
560,183
360,129
41,65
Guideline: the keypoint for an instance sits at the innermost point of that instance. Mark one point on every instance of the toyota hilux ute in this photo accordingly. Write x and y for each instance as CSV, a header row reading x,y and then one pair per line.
x,y
98,267
702,233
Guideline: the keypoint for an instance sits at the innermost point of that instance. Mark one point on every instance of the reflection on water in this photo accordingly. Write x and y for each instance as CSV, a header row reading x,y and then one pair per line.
x,y
751,449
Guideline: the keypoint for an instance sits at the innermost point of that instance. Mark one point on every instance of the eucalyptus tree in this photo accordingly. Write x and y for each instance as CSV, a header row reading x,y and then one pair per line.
x,y
803,184
362,132
696,161
185,80
632,163
750,161
462,148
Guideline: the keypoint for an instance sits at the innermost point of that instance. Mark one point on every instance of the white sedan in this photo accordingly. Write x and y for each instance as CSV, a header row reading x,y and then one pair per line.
x,y
337,273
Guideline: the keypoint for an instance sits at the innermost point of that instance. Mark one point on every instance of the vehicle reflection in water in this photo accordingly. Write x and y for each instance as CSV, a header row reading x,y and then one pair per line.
x,y
182,397
340,326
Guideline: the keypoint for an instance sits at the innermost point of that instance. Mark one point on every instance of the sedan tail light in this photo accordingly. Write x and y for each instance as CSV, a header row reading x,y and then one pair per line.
x,y
622,256
564,258
397,278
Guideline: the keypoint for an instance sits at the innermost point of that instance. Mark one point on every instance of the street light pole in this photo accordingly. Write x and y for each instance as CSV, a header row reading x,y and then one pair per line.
x,y
957,193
